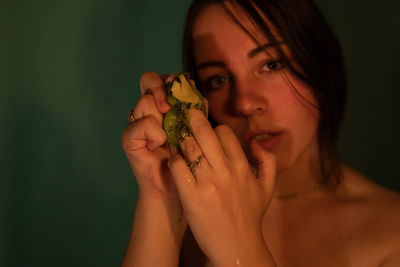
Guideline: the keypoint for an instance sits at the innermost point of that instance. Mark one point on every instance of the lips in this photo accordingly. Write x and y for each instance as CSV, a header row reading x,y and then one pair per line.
x,y
267,139
265,136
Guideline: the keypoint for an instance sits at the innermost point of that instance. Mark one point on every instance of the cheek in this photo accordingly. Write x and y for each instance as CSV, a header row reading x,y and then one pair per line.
x,y
298,98
219,112
300,119
304,97
216,105
303,115
214,109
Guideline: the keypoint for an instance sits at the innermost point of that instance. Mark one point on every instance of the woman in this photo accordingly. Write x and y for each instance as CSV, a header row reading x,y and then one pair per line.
x,y
269,189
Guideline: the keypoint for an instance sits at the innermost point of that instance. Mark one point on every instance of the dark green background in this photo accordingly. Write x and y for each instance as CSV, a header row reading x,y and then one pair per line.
x,y
69,73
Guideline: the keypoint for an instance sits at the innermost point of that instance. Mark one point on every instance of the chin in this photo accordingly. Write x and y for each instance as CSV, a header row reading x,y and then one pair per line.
x,y
284,160
283,163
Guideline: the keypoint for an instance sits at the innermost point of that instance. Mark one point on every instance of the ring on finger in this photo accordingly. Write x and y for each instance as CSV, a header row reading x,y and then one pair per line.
x,y
195,163
131,118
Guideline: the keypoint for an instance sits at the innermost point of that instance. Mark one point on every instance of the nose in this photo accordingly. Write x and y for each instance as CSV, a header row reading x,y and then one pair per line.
x,y
249,98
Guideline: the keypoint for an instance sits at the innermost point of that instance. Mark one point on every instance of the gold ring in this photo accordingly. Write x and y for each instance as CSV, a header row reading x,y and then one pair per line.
x,y
131,118
195,163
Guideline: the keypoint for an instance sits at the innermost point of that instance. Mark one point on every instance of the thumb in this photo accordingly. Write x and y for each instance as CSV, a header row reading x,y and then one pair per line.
x,y
266,166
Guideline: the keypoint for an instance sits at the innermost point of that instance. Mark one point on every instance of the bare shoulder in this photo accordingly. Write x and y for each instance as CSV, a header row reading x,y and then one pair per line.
x,y
373,197
369,214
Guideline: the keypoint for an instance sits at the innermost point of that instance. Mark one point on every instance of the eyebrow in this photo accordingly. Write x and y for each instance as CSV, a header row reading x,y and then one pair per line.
x,y
260,49
251,54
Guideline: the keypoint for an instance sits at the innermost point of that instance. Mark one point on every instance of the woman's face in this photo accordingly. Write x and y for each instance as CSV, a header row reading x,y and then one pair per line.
x,y
247,90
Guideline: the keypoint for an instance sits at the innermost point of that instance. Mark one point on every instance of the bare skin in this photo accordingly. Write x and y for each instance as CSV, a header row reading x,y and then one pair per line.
x,y
255,200
355,225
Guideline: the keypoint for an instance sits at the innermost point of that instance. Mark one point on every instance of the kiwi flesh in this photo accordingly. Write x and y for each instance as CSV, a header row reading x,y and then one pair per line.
x,y
182,95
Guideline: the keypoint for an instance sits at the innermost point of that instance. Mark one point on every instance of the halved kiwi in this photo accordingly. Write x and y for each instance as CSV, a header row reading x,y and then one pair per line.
x,y
182,95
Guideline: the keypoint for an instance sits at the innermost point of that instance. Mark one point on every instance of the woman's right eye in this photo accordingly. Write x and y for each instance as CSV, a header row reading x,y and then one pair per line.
x,y
215,82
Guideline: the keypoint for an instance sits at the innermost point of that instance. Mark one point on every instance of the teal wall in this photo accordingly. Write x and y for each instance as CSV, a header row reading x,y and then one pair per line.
x,y
69,73
370,35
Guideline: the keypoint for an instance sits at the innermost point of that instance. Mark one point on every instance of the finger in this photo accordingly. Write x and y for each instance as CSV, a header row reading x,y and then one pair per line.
x,y
193,153
190,149
230,144
145,133
266,166
173,150
147,107
169,78
207,139
151,83
184,180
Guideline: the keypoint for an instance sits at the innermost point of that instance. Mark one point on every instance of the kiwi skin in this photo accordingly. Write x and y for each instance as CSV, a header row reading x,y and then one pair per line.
x,y
176,121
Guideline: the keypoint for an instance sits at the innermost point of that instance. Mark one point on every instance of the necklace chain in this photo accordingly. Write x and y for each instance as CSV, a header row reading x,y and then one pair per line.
x,y
299,193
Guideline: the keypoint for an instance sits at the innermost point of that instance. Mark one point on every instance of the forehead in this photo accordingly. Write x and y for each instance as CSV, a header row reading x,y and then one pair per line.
x,y
215,18
215,31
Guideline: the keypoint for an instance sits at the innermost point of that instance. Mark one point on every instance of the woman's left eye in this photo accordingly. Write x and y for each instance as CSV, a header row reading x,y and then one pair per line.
x,y
272,65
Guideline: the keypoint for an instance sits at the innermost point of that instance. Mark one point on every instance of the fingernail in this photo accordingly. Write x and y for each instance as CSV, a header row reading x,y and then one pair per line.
x,y
169,78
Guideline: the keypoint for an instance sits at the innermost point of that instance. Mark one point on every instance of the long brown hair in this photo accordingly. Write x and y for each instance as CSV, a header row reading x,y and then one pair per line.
x,y
315,50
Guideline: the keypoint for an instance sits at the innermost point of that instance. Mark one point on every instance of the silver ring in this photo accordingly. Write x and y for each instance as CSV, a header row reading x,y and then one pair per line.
x,y
195,163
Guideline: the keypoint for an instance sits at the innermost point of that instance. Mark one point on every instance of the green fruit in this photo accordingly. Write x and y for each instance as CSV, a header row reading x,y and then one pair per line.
x,y
182,96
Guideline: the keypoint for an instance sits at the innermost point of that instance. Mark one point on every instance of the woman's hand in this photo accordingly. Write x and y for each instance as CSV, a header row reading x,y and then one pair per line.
x,y
223,201
158,226
144,141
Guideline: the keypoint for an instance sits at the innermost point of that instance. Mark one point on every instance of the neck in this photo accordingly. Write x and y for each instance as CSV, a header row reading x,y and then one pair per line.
x,y
302,178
